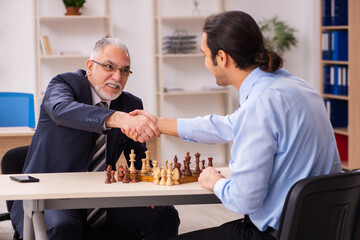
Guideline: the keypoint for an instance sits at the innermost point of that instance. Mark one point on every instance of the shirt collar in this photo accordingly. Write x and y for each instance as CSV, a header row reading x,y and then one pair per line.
x,y
248,83
95,98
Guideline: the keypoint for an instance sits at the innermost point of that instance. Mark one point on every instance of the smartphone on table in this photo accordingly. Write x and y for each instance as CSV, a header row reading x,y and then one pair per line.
x,y
24,178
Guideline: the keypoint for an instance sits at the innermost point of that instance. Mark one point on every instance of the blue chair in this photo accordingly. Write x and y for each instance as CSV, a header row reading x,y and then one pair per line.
x,y
17,110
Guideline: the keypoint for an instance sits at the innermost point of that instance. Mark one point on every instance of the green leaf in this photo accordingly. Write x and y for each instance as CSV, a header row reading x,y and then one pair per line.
x,y
278,35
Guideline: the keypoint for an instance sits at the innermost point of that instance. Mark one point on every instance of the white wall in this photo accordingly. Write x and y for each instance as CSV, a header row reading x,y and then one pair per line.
x,y
133,24
302,15
17,63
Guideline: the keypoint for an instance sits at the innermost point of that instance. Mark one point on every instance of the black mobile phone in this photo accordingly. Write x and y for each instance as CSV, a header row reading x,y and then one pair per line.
x,y
24,178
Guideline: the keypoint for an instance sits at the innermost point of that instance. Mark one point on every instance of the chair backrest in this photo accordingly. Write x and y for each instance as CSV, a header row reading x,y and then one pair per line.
x,y
17,110
323,208
12,163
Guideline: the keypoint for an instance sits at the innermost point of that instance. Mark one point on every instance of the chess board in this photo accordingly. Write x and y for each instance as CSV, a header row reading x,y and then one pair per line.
x,y
184,179
170,174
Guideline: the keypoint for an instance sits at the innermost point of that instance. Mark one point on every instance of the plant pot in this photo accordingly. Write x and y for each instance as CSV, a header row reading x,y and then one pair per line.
x,y
72,11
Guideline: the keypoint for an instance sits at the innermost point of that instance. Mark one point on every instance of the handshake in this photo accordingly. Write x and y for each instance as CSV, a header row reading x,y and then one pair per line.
x,y
140,125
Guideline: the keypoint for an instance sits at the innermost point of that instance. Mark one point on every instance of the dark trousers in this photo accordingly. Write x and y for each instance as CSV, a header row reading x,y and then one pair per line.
x,y
242,229
127,223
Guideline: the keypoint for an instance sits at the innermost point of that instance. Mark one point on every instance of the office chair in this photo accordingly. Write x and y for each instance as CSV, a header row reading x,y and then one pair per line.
x,y
322,208
17,110
12,163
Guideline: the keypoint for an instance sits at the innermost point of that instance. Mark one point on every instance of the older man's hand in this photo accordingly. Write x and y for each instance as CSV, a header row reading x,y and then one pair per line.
x,y
140,125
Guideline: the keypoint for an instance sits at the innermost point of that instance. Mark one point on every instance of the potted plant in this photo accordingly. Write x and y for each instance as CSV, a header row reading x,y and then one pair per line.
x,y
73,6
278,35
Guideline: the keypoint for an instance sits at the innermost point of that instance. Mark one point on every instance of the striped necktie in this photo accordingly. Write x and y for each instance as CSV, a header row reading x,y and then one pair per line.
x,y
98,162
97,216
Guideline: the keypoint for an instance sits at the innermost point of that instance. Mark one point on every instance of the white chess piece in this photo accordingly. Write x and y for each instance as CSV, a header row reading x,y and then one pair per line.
x,y
132,160
176,176
163,176
143,166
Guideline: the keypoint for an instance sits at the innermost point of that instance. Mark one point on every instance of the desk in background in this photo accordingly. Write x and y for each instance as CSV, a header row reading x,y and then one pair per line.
x,y
88,190
11,137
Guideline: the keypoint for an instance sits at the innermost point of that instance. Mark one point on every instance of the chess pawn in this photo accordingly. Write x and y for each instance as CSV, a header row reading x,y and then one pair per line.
x,y
177,165
112,176
156,176
170,166
126,178
163,176
155,168
132,160
107,179
143,167
120,173
166,165
154,163
210,164
202,165
176,176
169,181
175,161
135,178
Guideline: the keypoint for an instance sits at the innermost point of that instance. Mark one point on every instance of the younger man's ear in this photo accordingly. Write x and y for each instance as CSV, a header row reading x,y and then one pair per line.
x,y
222,57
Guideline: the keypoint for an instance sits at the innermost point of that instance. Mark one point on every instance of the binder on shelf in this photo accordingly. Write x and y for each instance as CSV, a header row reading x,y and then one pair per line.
x,y
339,45
342,80
45,45
327,87
339,12
326,45
334,85
346,80
42,46
326,12
342,145
337,112
336,79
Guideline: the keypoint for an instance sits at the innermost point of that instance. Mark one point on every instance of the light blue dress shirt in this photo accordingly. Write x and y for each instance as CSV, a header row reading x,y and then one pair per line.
x,y
281,134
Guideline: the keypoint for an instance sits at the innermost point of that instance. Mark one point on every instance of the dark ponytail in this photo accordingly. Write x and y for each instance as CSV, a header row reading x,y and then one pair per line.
x,y
268,61
238,34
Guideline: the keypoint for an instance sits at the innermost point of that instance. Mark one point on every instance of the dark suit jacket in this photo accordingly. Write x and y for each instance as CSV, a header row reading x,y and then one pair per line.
x,y
65,136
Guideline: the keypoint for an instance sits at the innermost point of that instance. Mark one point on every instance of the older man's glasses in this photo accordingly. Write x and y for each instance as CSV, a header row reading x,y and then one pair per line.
x,y
125,72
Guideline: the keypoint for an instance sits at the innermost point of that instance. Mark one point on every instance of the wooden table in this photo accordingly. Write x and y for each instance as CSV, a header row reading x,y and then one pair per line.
x,y
11,137
88,190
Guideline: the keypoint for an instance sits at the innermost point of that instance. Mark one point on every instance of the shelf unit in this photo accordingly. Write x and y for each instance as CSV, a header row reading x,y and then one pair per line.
x,y
184,87
351,133
71,38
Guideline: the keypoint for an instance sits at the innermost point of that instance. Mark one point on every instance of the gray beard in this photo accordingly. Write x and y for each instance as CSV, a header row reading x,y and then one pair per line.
x,y
99,91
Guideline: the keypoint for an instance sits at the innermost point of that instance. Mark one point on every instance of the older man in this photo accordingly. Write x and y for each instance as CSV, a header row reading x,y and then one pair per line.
x,y
75,134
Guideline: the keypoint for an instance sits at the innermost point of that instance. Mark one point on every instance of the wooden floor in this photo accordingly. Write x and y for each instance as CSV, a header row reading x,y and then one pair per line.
x,y
192,217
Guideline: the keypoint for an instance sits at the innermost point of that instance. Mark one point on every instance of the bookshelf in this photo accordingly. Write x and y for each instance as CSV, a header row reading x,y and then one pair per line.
x,y
184,87
70,39
347,136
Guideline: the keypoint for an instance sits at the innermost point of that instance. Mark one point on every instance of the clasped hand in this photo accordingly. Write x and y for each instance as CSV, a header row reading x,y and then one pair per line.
x,y
143,126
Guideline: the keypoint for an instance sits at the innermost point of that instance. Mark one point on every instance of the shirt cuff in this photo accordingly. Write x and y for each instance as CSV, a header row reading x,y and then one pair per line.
x,y
219,186
104,128
185,129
